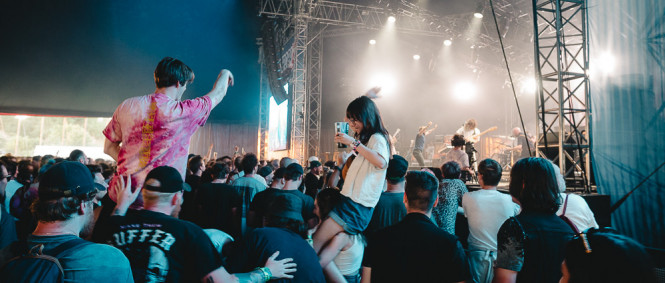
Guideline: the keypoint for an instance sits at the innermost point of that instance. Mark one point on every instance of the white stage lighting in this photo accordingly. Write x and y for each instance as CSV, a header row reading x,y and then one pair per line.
x,y
386,81
529,86
392,19
478,15
606,63
447,42
416,57
372,41
465,91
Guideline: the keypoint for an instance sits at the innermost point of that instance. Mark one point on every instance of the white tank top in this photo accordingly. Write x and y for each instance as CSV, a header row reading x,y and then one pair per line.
x,y
349,261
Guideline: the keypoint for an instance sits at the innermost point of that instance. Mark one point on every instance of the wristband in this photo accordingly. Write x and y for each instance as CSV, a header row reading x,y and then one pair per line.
x,y
265,272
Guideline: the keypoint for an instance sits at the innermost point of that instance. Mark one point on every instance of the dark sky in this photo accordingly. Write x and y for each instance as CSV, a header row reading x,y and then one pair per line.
x,y
82,57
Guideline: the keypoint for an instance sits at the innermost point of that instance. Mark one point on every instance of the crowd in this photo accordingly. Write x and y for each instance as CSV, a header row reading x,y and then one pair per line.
x,y
156,214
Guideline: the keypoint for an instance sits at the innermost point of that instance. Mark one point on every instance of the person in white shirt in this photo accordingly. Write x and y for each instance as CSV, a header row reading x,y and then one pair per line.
x,y
486,210
577,210
471,135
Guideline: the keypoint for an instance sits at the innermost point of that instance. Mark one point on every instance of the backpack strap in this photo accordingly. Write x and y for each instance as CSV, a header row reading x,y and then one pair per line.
x,y
57,251
565,205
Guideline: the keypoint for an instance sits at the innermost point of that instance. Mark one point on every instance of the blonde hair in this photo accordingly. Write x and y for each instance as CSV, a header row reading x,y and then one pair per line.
x,y
470,124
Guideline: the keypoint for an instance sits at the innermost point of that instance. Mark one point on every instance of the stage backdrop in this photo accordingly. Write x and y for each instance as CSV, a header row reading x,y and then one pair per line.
x,y
627,82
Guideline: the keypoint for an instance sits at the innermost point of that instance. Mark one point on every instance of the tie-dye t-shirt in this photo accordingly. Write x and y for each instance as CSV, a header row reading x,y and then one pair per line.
x,y
154,130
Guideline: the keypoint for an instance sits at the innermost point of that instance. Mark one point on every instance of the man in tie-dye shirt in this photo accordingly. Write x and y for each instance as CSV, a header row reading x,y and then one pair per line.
x,y
154,130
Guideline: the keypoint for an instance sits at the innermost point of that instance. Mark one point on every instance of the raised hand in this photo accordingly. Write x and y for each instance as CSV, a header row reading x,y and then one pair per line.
x,y
373,92
125,196
343,138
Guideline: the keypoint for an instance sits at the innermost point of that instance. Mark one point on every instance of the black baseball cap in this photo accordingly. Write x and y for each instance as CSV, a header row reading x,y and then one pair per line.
x,y
286,205
66,179
397,167
279,173
169,180
293,170
313,164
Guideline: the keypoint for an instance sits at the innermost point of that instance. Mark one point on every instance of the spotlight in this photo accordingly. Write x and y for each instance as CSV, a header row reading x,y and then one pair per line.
x,y
416,57
447,42
478,15
529,86
465,91
372,41
606,62
392,19
386,81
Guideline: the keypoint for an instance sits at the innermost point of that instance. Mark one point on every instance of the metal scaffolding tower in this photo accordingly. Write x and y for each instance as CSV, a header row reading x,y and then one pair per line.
x,y
561,66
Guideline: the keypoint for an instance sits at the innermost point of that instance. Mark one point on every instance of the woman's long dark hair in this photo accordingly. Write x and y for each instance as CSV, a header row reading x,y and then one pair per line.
x,y
533,183
365,111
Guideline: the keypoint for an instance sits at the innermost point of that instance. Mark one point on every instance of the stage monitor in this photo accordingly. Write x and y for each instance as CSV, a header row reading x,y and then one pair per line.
x,y
278,125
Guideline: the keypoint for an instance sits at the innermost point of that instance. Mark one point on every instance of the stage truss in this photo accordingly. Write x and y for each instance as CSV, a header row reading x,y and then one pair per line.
x,y
306,23
563,109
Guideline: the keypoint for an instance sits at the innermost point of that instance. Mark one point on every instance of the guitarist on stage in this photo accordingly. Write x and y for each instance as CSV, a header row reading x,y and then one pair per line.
x,y
471,135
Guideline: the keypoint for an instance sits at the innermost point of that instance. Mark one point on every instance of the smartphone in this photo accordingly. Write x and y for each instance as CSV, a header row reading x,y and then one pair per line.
x,y
341,127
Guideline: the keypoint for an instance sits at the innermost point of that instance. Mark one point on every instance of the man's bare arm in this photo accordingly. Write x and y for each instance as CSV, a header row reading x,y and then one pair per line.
x,y
224,80
112,149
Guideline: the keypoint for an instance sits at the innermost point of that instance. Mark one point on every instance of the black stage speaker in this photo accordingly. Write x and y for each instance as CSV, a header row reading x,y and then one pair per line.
x,y
600,206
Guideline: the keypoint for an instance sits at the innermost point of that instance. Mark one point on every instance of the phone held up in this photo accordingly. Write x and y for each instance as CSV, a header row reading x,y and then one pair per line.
x,y
341,127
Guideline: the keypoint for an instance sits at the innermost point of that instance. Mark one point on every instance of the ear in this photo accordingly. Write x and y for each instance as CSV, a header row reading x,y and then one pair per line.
x,y
177,198
405,200
82,207
300,178
436,202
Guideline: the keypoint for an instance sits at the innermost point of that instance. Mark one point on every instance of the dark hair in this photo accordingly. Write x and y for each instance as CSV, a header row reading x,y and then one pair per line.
x,y
26,172
491,171
264,171
421,190
279,173
297,226
458,140
94,169
533,184
293,172
326,199
365,111
451,170
59,209
249,162
219,171
237,162
613,258
75,155
437,172
171,71
194,164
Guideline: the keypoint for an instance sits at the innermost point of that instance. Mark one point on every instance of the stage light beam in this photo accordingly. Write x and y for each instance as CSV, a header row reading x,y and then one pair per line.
x,y
447,42
478,15
465,91
372,41
392,19
416,57
529,86
386,81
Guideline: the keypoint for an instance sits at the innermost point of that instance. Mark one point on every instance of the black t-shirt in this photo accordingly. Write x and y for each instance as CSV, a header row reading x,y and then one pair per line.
x,y
415,250
188,209
160,248
261,202
215,204
312,184
388,211
261,243
523,141
307,203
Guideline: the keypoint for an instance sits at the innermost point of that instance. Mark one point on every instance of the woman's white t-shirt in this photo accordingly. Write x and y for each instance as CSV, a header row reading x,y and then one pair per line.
x,y
364,182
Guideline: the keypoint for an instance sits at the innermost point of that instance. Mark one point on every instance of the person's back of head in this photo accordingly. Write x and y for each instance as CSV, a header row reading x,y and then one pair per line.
x,y
451,170
533,183
278,179
490,171
397,167
219,171
249,162
163,190
457,140
421,191
237,163
195,164
285,162
285,211
293,174
326,199
605,256
78,155
66,191
170,72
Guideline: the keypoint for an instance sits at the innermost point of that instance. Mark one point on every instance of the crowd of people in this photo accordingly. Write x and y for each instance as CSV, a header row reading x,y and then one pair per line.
x,y
157,214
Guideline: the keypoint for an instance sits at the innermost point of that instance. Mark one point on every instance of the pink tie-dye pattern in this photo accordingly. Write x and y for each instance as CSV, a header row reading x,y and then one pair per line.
x,y
154,131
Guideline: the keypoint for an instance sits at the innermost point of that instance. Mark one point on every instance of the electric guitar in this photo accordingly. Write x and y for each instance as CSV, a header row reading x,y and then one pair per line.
x,y
472,139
